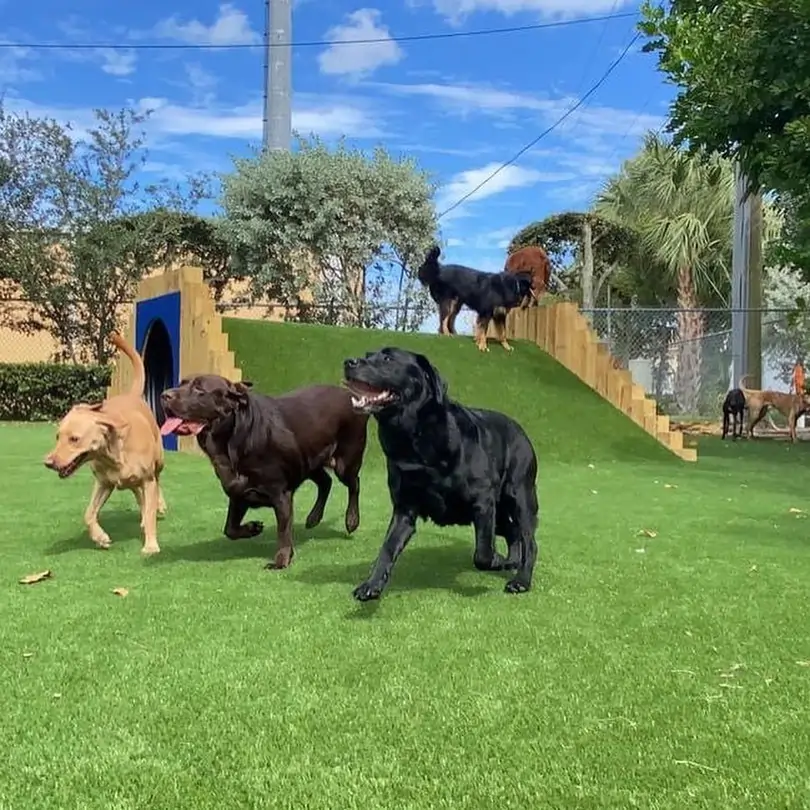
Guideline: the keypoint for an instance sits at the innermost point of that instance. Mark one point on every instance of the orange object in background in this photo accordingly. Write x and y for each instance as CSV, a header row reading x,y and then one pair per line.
x,y
797,382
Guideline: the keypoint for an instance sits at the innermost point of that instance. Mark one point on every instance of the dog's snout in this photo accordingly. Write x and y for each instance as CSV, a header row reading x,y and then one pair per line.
x,y
351,363
49,462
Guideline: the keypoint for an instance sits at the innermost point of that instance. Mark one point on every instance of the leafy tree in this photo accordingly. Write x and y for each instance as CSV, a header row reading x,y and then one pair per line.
x,y
594,245
333,233
73,246
681,208
743,76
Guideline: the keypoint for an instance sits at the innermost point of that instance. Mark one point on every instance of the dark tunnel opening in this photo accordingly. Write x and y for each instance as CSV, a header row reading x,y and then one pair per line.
x,y
159,363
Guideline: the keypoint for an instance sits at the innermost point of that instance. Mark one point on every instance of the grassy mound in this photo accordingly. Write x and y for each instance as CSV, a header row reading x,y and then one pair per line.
x,y
661,661
567,420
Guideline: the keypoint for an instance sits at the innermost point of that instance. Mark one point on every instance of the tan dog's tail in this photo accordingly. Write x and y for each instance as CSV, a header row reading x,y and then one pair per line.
x,y
742,380
139,379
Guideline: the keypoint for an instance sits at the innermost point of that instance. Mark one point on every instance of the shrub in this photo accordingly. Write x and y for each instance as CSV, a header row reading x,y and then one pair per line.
x,y
43,392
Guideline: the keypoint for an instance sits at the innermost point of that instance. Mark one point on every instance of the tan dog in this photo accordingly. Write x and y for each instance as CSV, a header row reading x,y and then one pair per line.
x,y
758,402
120,439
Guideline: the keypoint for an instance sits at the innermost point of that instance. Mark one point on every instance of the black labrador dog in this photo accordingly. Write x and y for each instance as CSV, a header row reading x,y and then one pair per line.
x,y
263,448
489,295
733,410
453,465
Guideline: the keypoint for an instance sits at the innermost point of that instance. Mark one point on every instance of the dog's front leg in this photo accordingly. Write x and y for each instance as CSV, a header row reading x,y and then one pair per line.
x,y
234,528
400,530
283,508
485,557
148,497
101,493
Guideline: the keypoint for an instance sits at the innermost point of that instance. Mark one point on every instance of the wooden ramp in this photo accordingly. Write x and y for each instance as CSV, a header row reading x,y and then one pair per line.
x,y
563,332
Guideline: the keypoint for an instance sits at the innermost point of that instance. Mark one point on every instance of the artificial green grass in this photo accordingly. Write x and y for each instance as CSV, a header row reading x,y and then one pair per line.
x,y
651,672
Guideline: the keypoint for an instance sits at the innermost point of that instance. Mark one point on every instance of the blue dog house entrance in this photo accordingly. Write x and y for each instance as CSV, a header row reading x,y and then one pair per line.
x,y
157,357
157,338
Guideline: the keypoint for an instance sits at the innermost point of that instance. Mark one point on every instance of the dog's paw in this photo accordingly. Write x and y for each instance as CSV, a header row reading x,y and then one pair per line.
x,y
497,563
149,551
246,530
516,586
102,541
352,522
313,519
367,591
281,561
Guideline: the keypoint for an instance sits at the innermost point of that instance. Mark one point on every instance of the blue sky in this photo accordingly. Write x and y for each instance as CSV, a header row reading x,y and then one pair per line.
x,y
460,106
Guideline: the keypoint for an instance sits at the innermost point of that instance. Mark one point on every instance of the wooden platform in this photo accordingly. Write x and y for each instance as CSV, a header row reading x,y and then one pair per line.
x,y
563,332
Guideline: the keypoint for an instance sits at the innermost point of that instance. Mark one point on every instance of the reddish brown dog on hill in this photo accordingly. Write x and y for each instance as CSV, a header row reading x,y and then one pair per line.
x,y
531,260
791,406
120,439
263,448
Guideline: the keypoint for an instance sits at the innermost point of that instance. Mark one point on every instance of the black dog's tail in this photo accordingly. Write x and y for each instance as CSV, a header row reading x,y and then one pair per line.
x,y
428,273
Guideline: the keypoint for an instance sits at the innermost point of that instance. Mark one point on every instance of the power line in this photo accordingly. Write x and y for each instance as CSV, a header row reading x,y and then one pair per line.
x,y
186,46
546,131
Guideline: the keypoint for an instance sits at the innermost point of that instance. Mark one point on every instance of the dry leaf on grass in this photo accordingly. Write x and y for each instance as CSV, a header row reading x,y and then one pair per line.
x,y
121,591
794,511
28,655
648,532
31,579
670,486
803,663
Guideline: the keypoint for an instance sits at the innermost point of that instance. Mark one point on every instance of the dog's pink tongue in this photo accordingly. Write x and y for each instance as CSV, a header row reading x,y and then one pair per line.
x,y
170,425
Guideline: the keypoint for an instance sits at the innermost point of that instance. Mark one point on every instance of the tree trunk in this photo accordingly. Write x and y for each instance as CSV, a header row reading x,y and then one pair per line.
x,y
690,345
587,265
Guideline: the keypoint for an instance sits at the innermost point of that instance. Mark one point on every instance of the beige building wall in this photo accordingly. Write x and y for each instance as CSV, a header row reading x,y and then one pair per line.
x,y
40,347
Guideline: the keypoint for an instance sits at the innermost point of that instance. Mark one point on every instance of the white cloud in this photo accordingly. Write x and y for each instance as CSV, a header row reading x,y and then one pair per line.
x,y
313,115
13,67
589,126
360,59
202,83
116,62
457,10
231,27
511,177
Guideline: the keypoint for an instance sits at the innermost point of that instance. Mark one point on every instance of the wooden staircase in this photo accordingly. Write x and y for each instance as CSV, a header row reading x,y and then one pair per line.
x,y
563,332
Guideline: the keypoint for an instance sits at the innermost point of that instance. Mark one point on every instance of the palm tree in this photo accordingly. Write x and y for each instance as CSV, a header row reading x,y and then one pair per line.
x,y
681,206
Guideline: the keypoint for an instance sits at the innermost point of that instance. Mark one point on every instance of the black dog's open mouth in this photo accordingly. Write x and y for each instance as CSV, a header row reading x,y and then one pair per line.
x,y
72,466
365,396
180,427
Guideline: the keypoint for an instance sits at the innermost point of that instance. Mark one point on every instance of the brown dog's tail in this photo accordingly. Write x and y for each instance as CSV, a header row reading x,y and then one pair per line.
x,y
740,384
139,377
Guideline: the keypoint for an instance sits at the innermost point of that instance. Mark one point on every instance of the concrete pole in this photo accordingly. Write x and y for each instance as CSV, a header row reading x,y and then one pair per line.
x,y
277,129
746,284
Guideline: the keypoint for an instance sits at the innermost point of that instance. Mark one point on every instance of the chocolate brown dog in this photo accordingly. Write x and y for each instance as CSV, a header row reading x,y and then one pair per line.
x,y
263,448
791,406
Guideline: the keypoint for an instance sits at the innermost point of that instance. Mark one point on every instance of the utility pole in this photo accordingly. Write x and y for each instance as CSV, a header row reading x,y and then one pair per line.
x,y
746,284
277,129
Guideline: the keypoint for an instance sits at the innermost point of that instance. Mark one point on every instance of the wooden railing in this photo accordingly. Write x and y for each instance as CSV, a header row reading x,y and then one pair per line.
x,y
563,332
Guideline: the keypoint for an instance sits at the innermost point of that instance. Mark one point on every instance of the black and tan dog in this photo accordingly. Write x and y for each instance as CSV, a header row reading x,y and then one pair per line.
x,y
263,448
489,295
759,401
452,465
733,413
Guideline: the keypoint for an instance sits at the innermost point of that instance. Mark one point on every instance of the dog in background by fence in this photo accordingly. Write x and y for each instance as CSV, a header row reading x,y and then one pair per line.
x,y
759,401
733,412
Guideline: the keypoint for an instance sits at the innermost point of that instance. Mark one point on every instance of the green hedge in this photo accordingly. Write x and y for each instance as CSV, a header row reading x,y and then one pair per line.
x,y
44,392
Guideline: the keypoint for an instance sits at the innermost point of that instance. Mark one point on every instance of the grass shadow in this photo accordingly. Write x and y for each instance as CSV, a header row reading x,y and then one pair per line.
x,y
221,549
122,525
418,569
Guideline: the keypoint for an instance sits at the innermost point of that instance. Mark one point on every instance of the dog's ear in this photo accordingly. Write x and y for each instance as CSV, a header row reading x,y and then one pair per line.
x,y
238,391
437,387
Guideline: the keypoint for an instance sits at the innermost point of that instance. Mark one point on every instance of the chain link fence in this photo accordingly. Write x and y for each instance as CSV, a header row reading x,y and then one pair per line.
x,y
683,357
